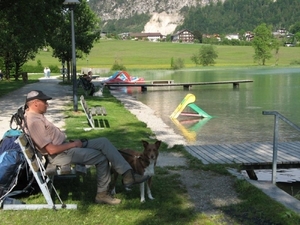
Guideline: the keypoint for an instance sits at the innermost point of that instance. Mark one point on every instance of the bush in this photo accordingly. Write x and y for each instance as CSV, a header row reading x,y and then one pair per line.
x,y
206,56
177,64
117,66
39,68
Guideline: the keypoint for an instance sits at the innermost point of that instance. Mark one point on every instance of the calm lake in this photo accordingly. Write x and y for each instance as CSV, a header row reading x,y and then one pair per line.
x,y
236,113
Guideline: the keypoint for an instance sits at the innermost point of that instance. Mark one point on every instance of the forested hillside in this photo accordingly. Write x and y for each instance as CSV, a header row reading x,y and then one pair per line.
x,y
232,16
236,15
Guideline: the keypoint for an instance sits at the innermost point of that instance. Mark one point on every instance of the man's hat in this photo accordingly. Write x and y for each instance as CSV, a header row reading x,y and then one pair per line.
x,y
36,94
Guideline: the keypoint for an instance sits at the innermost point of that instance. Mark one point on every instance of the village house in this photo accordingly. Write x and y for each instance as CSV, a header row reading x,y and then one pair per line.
x,y
183,36
147,36
232,37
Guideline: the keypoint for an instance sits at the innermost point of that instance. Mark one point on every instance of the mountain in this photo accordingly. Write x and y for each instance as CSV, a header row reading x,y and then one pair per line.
x,y
205,16
162,15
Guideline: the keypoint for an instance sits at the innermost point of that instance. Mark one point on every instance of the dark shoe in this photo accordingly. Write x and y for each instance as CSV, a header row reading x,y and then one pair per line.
x,y
105,198
130,178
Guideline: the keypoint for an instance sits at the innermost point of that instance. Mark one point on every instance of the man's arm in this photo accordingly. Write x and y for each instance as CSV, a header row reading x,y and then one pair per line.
x,y
56,149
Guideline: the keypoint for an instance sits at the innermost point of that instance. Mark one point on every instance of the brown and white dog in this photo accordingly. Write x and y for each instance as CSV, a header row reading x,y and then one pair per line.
x,y
142,163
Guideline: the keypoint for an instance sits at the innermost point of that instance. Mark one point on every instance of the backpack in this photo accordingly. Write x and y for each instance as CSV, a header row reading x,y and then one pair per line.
x,y
15,175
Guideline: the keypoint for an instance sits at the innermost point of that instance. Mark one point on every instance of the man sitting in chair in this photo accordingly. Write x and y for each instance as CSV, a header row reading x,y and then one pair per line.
x,y
51,141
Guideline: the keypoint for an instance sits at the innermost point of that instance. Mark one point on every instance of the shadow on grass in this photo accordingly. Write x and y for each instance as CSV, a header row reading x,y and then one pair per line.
x,y
170,205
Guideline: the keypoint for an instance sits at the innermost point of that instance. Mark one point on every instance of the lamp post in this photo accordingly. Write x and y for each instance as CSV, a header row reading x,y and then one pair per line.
x,y
71,4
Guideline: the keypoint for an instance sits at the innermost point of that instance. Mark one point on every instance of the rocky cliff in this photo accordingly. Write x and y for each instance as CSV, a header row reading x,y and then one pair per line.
x,y
166,14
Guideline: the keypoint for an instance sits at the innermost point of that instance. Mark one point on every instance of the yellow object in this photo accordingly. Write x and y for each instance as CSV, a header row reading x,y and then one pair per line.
x,y
189,98
191,136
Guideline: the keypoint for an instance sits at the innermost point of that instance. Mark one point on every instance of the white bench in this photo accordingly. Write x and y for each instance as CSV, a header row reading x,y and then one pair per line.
x,y
94,111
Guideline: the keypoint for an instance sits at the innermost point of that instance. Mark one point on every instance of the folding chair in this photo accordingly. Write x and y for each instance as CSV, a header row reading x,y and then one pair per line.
x,y
37,164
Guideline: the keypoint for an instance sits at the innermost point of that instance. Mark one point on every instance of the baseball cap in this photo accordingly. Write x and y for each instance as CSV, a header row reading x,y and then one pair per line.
x,y
36,94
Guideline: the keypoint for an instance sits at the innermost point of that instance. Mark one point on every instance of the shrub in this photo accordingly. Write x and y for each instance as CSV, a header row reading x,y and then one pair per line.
x,y
206,56
177,64
117,66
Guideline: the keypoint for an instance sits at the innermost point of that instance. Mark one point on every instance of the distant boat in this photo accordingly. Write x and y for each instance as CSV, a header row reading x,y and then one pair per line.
x,y
121,77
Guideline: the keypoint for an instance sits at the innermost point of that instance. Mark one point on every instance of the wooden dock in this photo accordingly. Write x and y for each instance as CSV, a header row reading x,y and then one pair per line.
x,y
167,83
248,155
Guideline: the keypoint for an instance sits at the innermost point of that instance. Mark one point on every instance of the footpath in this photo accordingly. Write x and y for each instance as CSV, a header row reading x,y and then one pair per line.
x,y
11,102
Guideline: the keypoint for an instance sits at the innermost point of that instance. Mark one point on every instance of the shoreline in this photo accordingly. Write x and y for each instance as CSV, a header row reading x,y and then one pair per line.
x,y
145,114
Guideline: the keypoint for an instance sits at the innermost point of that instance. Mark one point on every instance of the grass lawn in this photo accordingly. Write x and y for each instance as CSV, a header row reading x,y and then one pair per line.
x,y
157,55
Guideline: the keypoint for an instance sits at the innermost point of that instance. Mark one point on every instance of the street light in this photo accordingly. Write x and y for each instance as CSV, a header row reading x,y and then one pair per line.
x,y
71,5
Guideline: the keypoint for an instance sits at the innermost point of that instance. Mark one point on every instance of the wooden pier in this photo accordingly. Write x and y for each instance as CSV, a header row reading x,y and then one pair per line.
x,y
169,83
249,156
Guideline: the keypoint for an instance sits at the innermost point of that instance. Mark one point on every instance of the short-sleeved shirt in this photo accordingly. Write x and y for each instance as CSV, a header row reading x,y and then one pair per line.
x,y
42,131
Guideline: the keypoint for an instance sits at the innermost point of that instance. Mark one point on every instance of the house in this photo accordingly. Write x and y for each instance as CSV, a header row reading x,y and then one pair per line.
x,y
249,36
147,36
183,36
232,36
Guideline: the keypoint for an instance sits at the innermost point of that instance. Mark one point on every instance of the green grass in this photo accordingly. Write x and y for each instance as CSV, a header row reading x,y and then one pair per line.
x,y
7,86
171,205
150,55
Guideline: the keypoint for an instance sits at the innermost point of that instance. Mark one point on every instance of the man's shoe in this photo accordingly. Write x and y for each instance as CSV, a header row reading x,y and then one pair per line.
x,y
130,178
105,198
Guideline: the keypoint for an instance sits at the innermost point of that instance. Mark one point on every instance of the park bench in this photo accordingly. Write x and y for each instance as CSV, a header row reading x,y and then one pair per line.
x,y
94,111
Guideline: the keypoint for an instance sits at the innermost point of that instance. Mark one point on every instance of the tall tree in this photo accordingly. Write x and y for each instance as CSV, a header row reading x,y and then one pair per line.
x,y
262,43
87,31
23,28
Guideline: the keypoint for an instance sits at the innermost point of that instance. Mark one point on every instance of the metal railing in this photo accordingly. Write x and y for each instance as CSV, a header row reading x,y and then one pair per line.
x,y
275,138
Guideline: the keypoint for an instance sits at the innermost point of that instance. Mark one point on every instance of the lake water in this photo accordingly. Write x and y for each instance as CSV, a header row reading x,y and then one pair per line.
x,y
236,113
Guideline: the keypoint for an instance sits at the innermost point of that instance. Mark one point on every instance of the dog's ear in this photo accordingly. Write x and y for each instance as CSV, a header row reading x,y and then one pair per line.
x,y
145,143
157,144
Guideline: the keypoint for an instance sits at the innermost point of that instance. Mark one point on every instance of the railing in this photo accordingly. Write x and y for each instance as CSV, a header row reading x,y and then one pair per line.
x,y
275,138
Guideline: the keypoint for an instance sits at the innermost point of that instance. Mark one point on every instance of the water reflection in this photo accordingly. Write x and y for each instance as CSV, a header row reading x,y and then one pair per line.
x,y
190,127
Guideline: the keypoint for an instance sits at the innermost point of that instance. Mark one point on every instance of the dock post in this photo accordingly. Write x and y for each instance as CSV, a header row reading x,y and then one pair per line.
x,y
252,175
236,85
186,87
143,88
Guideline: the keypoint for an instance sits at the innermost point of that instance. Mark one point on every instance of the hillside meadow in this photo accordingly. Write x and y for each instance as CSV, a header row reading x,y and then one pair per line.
x,y
158,55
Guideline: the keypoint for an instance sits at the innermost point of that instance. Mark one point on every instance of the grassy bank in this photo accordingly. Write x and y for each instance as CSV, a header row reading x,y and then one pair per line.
x,y
171,205
150,55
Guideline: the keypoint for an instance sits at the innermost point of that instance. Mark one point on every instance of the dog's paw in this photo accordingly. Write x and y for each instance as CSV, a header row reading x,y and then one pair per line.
x,y
150,196
143,200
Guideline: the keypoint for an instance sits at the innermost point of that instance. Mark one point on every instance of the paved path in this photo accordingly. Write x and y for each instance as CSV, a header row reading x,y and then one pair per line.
x,y
12,101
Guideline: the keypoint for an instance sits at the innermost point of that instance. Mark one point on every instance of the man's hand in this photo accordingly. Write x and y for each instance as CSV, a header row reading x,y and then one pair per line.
x,y
77,143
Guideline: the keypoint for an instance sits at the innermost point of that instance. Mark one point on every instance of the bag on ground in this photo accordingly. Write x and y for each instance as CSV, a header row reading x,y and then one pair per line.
x,y
15,176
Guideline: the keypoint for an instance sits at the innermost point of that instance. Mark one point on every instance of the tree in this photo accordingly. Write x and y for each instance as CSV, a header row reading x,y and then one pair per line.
x,y
207,55
23,31
262,43
198,36
87,31
295,28
195,59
